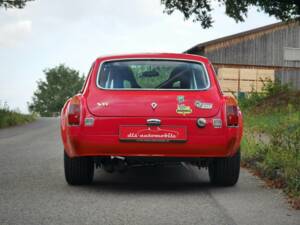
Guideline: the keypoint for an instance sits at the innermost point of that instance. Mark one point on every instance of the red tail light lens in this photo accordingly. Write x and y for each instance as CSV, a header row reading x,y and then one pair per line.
x,y
74,114
232,115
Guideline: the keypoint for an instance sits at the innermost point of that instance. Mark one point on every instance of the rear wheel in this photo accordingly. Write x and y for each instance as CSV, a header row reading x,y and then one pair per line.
x,y
225,171
78,170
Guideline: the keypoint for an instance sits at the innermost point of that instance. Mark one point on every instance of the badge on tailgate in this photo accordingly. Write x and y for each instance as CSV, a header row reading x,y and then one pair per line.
x,y
153,133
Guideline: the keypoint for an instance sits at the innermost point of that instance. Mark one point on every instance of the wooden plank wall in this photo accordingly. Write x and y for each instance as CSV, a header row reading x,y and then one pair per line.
x,y
291,77
261,50
243,80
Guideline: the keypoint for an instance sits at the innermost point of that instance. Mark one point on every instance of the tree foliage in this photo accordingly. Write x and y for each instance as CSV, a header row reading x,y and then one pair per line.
x,y
13,3
201,10
61,83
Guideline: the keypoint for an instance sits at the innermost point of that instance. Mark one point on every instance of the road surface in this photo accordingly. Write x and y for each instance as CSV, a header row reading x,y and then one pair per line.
x,y
33,190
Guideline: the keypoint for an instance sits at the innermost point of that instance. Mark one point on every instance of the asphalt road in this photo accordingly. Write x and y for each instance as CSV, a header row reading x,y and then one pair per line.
x,y
33,190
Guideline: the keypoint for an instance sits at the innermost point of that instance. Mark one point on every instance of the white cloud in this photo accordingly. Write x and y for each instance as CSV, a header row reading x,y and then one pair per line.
x,y
14,33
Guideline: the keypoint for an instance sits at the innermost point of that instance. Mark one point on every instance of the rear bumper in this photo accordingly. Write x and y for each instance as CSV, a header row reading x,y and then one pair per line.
x,y
103,139
79,144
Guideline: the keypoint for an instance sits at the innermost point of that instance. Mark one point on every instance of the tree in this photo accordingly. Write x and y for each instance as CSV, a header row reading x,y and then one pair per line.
x,y
201,10
13,3
61,83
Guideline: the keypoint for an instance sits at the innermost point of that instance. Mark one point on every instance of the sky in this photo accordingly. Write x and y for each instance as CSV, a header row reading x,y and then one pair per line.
x,y
47,33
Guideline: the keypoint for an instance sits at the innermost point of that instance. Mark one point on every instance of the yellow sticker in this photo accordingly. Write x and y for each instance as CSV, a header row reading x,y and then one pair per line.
x,y
183,109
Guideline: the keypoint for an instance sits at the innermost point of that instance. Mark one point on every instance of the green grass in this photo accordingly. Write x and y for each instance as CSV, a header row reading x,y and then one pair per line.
x,y
11,118
271,144
269,120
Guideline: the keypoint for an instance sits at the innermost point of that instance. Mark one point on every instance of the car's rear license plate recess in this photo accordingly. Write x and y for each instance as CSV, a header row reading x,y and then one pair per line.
x,y
152,133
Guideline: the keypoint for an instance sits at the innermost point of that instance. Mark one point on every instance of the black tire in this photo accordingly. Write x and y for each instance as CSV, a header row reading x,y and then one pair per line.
x,y
78,170
225,171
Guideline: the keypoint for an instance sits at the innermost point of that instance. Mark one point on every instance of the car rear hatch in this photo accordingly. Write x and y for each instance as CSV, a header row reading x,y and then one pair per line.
x,y
133,103
130,95
129,114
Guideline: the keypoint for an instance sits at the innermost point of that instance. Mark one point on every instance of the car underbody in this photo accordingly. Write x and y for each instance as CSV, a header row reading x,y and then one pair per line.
x,y
120,164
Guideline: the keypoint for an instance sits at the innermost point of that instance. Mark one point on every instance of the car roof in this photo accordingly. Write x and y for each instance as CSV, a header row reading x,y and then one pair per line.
x,y
178,56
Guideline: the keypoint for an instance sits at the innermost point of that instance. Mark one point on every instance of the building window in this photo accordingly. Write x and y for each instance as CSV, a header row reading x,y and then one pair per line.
x,y
291,54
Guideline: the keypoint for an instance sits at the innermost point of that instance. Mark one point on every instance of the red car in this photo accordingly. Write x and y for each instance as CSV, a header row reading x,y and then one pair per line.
x,y
151,109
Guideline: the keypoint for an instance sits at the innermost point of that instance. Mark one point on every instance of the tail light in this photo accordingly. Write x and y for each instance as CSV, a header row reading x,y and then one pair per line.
x,y
74,112
232,115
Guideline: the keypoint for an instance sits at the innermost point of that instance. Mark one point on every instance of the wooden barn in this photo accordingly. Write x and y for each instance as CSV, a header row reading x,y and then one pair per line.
x,y
244,60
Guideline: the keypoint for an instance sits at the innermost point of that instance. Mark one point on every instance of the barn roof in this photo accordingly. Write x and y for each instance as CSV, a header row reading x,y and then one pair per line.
x,y
242,35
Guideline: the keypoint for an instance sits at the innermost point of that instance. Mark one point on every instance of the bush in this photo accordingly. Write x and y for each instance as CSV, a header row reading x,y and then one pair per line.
x,y
274,88
10,117
271,143
278,158
284,153
270,90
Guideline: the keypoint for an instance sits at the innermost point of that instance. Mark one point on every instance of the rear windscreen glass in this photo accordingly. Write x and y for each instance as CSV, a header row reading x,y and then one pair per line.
x,y
152,74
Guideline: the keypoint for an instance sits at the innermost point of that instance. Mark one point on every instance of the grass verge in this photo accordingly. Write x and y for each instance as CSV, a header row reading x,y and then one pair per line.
x,y
11,118
271,143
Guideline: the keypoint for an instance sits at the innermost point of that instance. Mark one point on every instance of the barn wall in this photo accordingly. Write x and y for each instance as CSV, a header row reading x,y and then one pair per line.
x,y
264,50
291,77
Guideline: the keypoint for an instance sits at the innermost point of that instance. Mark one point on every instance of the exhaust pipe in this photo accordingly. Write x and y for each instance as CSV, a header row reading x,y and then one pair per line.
x,y
114,164
108,166
120,165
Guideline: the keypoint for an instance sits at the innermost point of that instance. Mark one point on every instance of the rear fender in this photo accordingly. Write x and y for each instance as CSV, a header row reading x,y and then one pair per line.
x,y
235,132
69,132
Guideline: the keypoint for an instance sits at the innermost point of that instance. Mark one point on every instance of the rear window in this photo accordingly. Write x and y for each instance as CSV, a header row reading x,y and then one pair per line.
x,y
152,74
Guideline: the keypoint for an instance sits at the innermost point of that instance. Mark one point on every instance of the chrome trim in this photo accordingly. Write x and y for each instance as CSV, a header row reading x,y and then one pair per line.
x,y
153,122
152,89
201,122
219,121
154,105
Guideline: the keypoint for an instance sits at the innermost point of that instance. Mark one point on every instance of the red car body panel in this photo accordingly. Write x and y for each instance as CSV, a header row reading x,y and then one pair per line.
x,y
133,108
